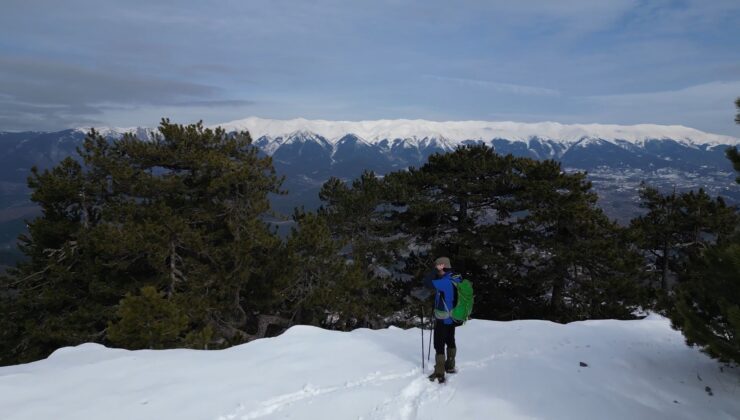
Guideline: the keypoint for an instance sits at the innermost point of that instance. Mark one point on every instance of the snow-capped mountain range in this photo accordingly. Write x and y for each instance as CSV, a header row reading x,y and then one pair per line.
x,y
452,133
271,134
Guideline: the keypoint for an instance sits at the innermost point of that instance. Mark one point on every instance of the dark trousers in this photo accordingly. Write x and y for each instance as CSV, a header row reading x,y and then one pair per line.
x,y
443,334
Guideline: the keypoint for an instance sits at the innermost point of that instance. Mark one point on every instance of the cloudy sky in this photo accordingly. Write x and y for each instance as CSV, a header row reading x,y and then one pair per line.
x,y
124,63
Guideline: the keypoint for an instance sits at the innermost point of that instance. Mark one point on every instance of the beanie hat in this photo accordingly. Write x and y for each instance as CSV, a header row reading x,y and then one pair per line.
x,y
443,260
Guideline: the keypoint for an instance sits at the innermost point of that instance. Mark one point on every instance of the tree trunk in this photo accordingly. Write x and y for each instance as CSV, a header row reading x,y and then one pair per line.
x,y
232,333
664,276
462,216
558,285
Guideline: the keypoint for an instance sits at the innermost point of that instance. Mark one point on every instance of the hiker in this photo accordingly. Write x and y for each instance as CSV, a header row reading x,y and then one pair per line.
x,y
444,326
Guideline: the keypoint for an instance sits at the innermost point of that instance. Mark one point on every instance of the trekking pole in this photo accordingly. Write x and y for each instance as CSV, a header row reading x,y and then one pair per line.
x,y
422,338
431,331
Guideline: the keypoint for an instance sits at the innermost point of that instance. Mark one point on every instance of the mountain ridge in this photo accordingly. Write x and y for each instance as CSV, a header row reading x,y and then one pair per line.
x,y
454,133
374,131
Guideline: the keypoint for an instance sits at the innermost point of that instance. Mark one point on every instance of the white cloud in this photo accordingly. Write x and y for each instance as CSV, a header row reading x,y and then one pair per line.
x,y
691,97
496,86
707,106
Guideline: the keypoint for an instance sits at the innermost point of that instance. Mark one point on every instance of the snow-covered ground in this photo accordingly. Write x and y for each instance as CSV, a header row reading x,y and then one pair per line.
x,y
507,370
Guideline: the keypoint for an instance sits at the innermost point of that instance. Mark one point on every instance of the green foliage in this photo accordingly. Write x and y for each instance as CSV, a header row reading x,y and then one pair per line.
x,y
734,156
573,252
148,320
458,205
182,213
677,227
360,215
528,235
707,303
732,152
324,288
199,339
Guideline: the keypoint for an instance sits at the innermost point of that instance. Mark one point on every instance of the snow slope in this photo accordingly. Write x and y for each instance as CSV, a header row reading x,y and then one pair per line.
x,y
508,370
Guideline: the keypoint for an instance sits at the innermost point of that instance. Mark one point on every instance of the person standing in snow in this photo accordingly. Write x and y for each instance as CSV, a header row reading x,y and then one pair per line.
x,y
444,326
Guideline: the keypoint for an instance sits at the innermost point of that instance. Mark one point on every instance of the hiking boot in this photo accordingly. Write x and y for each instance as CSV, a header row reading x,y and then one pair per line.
x,y
439,368
450,362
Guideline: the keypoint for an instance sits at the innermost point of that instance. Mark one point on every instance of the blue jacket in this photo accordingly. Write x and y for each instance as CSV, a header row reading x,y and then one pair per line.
x,y
444,300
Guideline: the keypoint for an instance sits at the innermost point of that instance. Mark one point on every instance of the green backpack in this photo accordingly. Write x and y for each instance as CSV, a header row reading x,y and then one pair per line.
x,y
464,307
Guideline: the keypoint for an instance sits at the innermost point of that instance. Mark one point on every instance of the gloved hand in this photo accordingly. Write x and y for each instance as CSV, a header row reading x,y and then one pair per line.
x,y
421,293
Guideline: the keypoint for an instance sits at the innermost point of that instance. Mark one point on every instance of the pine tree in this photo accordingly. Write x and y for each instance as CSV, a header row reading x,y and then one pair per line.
x,y
183,213
656,231
732,152
321,287
360,214
49,299
707,303
501,219
457,205
573,250
734,156
148,320
677,227
707,300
